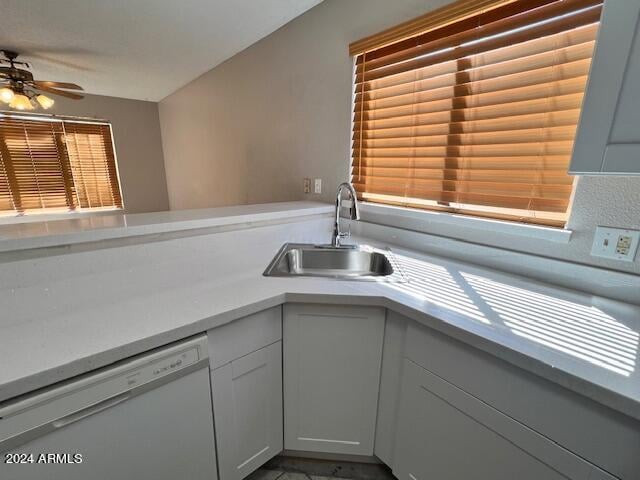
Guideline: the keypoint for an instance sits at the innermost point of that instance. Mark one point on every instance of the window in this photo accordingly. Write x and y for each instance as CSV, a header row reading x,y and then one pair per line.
x,y
473,108
49,164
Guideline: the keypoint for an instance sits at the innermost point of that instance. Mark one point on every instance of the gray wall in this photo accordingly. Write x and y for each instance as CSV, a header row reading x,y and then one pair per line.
x,y
249,130
136,133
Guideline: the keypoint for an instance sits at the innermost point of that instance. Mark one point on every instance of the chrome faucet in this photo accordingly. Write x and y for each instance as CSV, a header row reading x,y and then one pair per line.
x,y
354,214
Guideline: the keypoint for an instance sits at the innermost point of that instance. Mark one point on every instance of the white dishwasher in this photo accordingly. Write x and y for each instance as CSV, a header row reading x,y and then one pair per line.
x,y
148,417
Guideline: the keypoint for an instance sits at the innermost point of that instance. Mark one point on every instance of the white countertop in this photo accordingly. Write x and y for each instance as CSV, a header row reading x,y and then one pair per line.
x,y
69,314
81,229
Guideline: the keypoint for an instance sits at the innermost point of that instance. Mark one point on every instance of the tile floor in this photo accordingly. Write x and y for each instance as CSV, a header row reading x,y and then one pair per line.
x,y
264,474
293,468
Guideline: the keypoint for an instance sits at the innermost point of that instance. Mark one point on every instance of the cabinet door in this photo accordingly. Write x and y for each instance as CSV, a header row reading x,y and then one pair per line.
x,y
247,406
608,137
331,376
390,376
445,433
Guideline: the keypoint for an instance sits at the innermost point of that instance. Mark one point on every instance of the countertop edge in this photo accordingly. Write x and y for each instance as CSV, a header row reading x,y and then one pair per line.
x,y
16,237
578,385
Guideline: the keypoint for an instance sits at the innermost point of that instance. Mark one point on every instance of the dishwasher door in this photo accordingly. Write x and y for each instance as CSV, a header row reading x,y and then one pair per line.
x,y
148,418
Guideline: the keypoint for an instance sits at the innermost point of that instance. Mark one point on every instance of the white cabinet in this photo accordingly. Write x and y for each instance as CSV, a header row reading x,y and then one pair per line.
x,y
332,360
244,335
443,432
608,138
596,433
246,383
390,376
247,402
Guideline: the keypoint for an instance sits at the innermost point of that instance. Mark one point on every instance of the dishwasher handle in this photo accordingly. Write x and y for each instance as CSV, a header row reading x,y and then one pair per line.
x,y
15,441
91,410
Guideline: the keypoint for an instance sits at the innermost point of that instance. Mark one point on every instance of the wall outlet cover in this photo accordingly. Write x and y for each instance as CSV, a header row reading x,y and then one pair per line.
x,y
615,243
306,185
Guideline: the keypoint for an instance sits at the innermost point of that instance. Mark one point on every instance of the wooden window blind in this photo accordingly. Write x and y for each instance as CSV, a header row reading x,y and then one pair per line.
x,y
477,113
49,164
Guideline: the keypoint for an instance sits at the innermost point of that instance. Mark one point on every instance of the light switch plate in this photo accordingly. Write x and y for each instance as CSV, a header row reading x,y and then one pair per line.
x,y
616,243
317,188
306,185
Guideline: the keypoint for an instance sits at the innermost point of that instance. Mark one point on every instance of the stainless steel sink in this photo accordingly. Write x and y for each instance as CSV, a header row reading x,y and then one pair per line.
x,y
345,262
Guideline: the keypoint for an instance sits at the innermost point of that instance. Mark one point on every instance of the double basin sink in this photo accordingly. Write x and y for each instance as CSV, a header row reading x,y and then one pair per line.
x,y
345,262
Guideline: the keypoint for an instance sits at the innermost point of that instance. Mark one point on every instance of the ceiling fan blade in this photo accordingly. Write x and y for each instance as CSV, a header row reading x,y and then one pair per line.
x,y
68,86
55,91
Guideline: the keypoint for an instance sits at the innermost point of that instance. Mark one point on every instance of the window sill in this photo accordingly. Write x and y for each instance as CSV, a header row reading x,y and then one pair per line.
x,y
422,220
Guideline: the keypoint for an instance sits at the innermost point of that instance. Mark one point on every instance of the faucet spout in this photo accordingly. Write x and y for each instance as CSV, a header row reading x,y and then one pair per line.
x,y
354,213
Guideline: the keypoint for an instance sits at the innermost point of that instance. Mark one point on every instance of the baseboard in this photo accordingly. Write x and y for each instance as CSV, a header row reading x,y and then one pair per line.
x,y
337,457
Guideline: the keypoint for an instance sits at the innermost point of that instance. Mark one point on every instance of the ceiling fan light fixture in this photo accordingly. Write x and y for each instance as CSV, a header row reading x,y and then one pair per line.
x,y
45,102
21,102
21,91
6,94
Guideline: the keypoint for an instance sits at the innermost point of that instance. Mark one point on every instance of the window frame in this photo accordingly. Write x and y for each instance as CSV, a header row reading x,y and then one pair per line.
x,y
45,214
397,215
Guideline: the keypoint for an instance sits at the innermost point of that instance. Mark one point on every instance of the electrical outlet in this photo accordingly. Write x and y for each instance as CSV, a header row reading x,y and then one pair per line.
x,y
306,185
624,244
317,186
615,243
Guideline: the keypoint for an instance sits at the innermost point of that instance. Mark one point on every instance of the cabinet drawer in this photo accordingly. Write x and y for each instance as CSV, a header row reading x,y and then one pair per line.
x,y
444,432
598,434
245,335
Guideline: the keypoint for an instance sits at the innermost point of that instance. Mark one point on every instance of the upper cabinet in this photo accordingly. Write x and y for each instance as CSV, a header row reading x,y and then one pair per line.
x,y
608,138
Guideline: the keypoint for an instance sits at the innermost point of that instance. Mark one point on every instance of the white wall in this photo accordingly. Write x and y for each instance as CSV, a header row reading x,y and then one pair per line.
x,y
249,130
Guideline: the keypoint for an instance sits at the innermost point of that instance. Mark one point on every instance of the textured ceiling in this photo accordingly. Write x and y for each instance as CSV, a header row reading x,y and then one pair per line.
x,y
142,49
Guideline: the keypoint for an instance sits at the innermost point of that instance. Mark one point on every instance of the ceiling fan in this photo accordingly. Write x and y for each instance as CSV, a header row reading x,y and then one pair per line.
x,y
22,92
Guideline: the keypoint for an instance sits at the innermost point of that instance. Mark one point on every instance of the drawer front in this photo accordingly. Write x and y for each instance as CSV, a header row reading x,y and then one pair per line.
x,y
443,432
600,435
243,336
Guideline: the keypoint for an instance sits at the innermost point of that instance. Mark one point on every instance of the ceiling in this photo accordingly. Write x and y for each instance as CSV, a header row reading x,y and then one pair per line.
x,y
141,49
